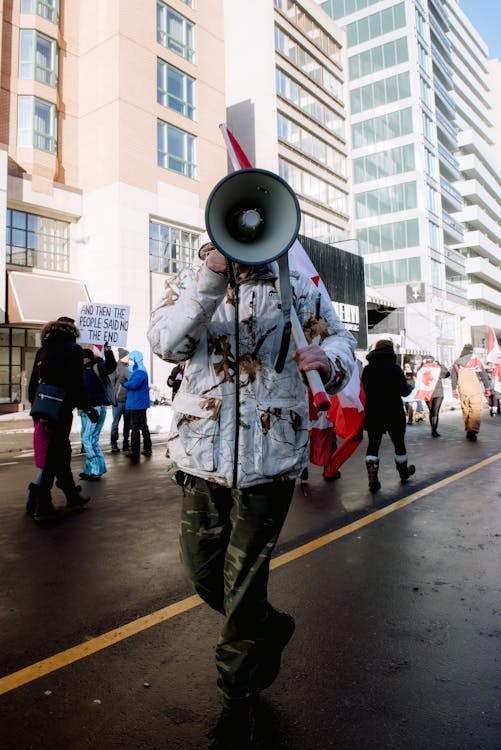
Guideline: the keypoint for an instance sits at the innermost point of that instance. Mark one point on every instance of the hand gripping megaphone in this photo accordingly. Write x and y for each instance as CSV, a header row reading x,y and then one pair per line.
x,y
252,217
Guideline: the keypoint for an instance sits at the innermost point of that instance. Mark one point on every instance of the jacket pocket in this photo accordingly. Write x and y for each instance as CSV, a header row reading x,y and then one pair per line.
x,y
195,431
281,438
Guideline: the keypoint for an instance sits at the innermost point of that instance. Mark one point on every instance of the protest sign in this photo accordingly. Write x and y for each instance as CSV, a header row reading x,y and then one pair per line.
x,y
103,323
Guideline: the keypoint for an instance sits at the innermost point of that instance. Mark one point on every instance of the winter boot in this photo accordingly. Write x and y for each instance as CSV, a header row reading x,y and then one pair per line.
x,y
73,493
44,509
404,470
372,470
31,500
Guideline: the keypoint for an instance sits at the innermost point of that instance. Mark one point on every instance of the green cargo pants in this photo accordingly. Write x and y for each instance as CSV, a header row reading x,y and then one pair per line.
x,y
227,538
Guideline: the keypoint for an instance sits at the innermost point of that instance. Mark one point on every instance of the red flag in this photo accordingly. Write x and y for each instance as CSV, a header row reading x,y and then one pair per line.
x,y
347,408
236,153
493,349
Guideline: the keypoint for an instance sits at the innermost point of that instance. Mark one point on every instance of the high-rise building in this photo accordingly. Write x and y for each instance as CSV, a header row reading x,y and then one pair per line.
x,y
286,104
480,167
419,117
109,147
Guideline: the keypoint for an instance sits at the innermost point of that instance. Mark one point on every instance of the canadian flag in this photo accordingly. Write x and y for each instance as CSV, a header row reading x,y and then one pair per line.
x,y
426,381
346,413
493,349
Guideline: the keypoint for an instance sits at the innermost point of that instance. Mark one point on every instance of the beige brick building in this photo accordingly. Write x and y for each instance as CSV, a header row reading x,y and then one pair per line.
x,y
109,147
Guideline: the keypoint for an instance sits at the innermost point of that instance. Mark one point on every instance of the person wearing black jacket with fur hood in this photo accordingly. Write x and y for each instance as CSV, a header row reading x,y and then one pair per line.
x,y
59,362
385,384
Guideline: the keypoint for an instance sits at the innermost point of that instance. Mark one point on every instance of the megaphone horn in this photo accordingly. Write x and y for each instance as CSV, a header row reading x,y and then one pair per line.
x,y
252,216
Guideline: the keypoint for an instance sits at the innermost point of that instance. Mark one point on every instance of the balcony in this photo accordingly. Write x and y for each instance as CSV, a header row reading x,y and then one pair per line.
x,y
477,219
455,292
440,34
483,271
455,261
441,64
478,243
450,164
485,295
452,228
450,195
437,8
447,131
444,93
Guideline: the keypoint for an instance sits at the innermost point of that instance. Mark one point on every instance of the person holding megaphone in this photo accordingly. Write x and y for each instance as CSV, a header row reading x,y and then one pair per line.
x,y
239,437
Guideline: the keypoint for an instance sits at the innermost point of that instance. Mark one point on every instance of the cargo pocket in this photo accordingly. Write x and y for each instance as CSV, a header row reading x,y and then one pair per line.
x,y
195,434
281,438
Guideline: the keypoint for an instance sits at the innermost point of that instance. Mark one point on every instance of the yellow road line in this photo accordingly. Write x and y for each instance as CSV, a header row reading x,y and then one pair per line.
x,y
93,645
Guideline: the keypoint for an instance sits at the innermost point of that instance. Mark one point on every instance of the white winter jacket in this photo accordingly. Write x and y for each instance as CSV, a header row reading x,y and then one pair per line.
x,y
268,438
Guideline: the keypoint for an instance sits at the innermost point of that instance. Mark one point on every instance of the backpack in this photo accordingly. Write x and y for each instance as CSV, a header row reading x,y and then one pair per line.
x,y
109,390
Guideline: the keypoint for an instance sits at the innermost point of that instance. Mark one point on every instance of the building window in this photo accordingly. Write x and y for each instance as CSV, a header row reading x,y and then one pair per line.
x,y
37,57
189,3
383,128
313,187
176,150
36,124
378,58
48,9
308,64
340,8
377,24
175,89
12,343
308,103
393,271
175,32
384,164
395,236
37,242
301,139
376,94
171,249
310,28
401,197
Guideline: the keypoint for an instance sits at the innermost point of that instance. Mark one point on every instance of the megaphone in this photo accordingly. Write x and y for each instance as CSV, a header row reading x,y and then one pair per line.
x,y
252,216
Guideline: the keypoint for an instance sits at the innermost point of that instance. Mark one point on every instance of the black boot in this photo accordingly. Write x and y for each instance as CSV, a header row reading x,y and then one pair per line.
x,y
404,470
73,494
235,729
280,628
31,500
44,509
372,474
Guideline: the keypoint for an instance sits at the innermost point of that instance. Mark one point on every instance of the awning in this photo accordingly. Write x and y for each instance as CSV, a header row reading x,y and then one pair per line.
x,y
373,296
35,298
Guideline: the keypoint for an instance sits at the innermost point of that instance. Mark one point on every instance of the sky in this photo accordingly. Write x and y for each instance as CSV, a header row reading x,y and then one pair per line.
x,y
485,16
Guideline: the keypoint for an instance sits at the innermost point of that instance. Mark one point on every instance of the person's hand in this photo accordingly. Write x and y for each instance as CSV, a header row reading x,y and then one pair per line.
x,y
216,261
93,415
313,357
454,394
107,346
487,392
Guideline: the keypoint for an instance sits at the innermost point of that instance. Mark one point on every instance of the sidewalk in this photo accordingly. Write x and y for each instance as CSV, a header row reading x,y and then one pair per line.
x,y
159,418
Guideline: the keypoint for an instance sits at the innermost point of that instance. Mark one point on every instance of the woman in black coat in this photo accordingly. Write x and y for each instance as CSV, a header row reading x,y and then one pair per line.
x,y
385,384
59,362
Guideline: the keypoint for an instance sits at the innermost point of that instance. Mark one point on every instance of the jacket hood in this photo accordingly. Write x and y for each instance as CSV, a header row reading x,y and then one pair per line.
x,y
56,332
137,358
382,354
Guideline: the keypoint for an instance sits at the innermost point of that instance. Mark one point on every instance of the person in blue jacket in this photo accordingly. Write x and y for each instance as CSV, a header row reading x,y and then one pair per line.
x,y
138,400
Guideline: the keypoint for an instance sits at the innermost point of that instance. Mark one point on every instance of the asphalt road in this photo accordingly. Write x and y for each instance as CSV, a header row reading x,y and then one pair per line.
x,y
397,600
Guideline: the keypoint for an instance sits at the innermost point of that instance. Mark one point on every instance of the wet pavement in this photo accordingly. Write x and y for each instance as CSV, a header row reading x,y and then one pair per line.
x,y
397,600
